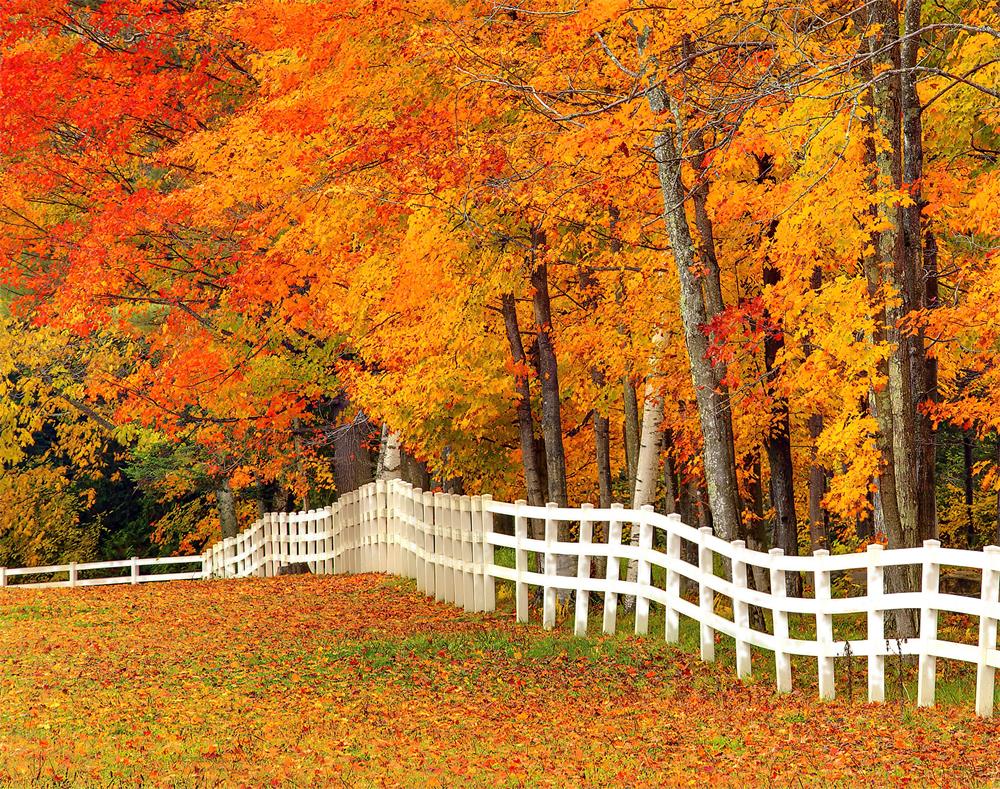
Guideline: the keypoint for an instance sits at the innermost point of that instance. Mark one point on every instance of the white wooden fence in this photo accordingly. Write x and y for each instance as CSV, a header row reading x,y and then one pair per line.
x,y
446,543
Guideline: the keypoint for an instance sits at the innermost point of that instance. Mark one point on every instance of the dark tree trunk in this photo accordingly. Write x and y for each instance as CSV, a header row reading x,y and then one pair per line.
x,y
968,488
778,443
415,472
353,461
818,536
670,483
602,445
923,383
817,489
555,458
778,446
525,422
630,402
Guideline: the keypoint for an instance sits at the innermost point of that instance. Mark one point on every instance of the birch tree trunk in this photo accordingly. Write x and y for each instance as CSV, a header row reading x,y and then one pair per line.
x,y
648,465
390,462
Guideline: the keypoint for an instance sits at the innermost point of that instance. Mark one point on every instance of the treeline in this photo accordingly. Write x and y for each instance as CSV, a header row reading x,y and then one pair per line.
x,y
733,258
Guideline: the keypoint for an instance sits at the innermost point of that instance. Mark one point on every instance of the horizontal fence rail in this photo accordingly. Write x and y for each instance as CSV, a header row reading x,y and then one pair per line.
x,y
123,571
447,544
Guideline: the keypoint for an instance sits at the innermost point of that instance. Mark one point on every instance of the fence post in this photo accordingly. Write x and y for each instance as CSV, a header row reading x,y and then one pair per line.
x,y
329,545
613,566
824,630
398,527
706,595
353,530
456,589
382,530
371,529
985,673
72,574
257,540
417,513
583,573
361,538
439,546
671,620
412,496
643,574
392,527
267,533
741,610
429,546
478,551
927,666
281,542
520,561
468,554
447,550
309,542
876,623
291,534
3,576
489,580
782,660
208,564
134,569
549,596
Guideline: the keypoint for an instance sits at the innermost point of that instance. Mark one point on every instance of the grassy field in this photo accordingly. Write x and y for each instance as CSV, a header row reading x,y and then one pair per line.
x,y
362,681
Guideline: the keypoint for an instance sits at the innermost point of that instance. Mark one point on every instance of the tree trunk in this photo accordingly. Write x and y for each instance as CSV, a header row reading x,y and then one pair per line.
x,y
670,484
352,457
602,446
415,472
968,488
390,463
891,406
817,489
778,445
818,537
923,384
631,405
525,422
712,399
227,509
647,468
555,458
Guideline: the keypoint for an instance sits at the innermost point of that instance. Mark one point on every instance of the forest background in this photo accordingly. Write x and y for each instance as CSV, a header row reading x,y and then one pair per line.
x,y
736,259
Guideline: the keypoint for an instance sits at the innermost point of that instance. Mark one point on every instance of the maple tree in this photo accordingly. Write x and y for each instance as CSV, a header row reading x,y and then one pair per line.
x,y
734,260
